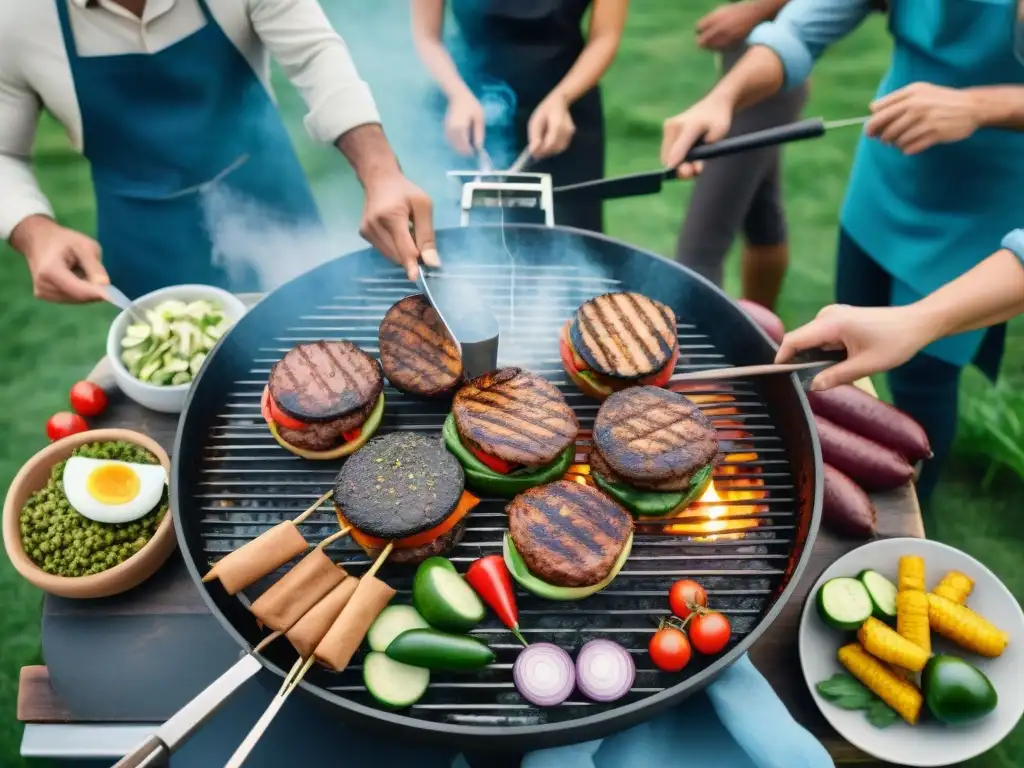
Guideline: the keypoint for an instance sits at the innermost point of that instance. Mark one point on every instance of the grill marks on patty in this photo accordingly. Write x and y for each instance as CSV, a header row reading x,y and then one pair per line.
x,y
653,435
416,351
625,335
325,380
568,534
515,415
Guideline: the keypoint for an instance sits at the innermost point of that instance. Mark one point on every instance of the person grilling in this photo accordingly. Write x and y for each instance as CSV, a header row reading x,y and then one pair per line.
x,y
532,59
936,181
742,193
168,99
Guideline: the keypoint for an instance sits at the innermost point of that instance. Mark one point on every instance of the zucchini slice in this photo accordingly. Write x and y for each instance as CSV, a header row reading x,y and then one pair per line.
x,y
393,621
393,684
882,593
844,603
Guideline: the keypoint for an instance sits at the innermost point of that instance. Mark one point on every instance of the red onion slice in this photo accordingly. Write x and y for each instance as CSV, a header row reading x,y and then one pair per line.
x,y
604,671
544,674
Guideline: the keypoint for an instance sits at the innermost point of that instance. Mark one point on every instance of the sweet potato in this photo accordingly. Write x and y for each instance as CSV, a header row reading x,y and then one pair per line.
x,y
859,412
871,465
765,318
846,509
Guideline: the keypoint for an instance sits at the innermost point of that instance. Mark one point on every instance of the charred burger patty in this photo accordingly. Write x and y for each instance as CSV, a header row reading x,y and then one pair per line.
x,y
511,430
403,488
568,534
619,340
324,399
654,451
416,351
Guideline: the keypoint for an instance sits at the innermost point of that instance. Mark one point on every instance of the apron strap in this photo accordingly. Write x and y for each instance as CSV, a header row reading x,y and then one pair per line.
x,y
69,33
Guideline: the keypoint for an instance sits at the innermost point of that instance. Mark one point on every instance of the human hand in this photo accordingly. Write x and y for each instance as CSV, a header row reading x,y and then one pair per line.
x,y
393,203
727,25
65,265
876,339
922,115
551,127
709,119
464,124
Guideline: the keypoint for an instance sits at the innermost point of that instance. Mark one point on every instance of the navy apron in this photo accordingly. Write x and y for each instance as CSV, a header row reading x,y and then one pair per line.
x,y
160,131
516,52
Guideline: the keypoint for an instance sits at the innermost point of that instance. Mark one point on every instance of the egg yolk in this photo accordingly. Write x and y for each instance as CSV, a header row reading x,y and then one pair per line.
x,y
113,484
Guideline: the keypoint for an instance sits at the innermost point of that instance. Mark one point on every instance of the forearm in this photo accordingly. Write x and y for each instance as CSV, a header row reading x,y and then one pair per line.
x,y
20,198
30,231
441,66
767,10
590,66
756,76
991,293
999,106
368,152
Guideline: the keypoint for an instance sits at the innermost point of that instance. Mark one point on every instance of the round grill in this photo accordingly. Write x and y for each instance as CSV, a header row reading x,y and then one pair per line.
x,y
746,541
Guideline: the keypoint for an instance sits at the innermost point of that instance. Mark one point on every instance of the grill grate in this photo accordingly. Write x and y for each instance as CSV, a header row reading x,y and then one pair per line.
x,y
739,545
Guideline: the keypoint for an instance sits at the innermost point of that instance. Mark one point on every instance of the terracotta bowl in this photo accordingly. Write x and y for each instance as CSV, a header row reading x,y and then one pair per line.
x,y
122,577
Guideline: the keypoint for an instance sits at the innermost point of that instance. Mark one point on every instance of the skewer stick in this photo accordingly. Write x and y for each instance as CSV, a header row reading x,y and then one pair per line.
x,y
265,642
314,508
293,678
334,537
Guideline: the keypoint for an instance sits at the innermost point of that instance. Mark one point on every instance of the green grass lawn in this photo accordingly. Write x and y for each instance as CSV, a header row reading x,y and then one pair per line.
x,y
45,348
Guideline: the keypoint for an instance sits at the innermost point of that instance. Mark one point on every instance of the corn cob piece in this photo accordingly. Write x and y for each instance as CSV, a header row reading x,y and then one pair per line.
x,y
885,644
955,587
911,573
898,693
912,618
966,628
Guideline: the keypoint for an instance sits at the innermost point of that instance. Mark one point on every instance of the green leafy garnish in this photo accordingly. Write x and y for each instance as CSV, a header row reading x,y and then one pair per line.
x,y
844,691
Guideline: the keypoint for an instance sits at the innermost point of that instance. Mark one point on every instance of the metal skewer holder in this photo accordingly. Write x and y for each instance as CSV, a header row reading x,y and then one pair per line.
x,y
505,189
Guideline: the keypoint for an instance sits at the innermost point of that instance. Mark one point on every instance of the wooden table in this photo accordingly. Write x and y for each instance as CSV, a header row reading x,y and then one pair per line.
x,y
159,624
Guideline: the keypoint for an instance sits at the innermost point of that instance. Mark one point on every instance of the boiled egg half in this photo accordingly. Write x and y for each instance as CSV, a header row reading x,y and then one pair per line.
x,y
112,491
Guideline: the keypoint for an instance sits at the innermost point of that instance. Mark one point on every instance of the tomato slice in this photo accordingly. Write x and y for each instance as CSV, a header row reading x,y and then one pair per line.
x,y
465,505
660,378
500,466
567,356
271,412
352,435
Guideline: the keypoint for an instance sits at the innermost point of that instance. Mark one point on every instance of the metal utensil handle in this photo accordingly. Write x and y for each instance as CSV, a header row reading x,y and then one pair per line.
x,y
151,753
747,370
779,134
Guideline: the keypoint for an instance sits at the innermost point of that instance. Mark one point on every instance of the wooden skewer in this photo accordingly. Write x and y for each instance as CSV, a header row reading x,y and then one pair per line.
x,y
293,678
334,537
314,508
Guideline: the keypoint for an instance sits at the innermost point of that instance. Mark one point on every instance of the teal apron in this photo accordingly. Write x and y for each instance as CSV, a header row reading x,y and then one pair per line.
x,y
929,218
160,131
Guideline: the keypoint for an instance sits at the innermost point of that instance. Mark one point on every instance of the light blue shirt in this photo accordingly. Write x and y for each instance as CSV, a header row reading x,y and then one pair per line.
x,y
929,218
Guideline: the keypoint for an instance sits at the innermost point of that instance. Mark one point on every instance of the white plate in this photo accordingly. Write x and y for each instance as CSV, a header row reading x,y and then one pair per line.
x,y
929,743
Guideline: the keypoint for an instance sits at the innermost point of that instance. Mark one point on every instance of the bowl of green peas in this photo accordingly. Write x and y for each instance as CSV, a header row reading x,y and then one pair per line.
x,y
126,532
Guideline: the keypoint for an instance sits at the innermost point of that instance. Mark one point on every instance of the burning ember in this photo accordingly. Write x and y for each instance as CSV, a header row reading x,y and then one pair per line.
x,y
725,510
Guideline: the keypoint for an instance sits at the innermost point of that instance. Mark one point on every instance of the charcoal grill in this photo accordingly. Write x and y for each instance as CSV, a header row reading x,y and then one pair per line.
x,y
231,481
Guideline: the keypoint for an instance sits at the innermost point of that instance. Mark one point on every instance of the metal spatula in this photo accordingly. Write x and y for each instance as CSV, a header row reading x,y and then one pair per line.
x,y
466,316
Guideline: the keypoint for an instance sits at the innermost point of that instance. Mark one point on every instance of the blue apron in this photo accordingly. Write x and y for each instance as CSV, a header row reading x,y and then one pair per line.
x,y
929,218
160,131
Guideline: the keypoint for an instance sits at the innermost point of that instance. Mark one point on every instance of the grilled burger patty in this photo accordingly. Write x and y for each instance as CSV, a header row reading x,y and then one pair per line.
x,y
416,351
324,435
399,485
568,534
599,466
625,335
515,415
652,435
325,380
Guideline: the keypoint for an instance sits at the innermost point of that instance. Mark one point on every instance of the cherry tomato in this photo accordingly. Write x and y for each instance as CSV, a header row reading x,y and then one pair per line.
x,y
685,593
272,413
88,399
710,632
63,424
669,649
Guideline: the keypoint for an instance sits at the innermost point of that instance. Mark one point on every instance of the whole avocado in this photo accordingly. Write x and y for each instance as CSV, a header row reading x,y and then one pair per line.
x,y
955,691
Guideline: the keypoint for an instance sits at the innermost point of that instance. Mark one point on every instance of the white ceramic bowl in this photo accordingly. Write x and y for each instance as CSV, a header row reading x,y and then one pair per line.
x,y
168,399
929,743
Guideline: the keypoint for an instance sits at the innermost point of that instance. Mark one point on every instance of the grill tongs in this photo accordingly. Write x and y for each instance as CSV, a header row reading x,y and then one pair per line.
x,y
466,316
650,182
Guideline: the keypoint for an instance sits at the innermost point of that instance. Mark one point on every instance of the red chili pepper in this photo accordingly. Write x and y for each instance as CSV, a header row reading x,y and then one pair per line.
x,y
490,578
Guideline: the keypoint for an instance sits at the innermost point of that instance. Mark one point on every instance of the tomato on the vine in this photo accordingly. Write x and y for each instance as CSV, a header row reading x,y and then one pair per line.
x,y
88,398
63,424
686,593
669,649
709,632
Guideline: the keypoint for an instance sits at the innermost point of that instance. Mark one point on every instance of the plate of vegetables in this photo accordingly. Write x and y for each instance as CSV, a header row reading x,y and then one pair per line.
x,y
913,652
